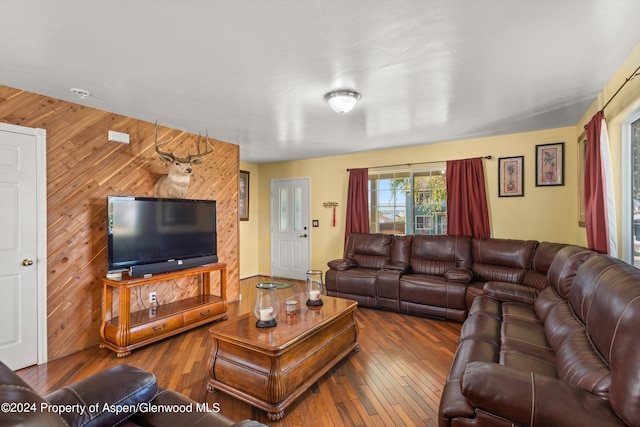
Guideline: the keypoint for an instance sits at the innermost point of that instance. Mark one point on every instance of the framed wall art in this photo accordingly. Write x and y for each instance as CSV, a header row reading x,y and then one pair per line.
x,y
550,164
243,195
511,176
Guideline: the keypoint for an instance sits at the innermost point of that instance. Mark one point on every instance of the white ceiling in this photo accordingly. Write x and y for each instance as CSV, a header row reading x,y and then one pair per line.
x,y
254,72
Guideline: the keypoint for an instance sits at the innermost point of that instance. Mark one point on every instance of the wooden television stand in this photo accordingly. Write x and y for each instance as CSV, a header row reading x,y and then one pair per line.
x,y
129,331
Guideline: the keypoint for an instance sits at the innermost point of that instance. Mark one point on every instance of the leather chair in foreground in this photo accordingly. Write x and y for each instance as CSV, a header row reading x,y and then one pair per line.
x,y
122,395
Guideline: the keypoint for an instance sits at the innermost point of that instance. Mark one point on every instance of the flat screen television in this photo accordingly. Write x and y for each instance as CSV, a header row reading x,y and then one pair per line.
x,y
149,235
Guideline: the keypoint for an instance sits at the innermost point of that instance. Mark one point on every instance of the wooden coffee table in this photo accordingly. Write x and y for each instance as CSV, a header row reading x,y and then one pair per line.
x,y
269,368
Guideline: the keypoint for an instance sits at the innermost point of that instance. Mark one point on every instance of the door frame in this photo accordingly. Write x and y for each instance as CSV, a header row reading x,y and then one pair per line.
x,y
626,184
271,225
41,231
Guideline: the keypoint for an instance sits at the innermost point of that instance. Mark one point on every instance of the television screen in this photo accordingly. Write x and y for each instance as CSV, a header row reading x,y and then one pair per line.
x,y
148,230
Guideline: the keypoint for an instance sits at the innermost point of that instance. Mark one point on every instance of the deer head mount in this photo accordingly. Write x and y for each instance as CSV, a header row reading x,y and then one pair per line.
x,y
176,183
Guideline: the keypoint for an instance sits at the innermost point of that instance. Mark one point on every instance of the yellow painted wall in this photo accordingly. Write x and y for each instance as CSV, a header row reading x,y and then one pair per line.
x,y
544,213
249,265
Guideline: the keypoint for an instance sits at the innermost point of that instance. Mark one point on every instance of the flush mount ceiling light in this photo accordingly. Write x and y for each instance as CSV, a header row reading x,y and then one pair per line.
x,y
80,92
342,101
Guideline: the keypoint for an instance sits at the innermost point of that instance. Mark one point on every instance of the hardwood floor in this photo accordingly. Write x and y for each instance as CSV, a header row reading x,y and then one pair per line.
x,y
395,379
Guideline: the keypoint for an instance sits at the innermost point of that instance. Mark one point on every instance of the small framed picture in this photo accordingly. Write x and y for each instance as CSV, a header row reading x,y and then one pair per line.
x,y
511,176
243,193
550,164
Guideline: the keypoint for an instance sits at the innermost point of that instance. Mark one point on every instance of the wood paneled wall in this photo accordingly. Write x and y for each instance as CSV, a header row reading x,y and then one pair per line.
x,y
82,169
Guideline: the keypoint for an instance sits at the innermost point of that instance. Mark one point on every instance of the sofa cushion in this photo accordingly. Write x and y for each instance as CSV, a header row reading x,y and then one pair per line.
x,y
612,319
498,273
401,250
502,260
578,362
374,262
509,252
564,267
536,275
547,299
525,362
435,255
527,338
504,291
373,250
357,281
432,290
579,365
581,297
523,313
522,398
486,305
484,326
561,324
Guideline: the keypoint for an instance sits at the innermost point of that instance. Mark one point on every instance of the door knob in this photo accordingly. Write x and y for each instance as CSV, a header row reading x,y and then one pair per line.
x,y
302,235
27,262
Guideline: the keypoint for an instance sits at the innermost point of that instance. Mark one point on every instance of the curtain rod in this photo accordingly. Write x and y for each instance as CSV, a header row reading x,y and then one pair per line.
x,y
633,75
412,164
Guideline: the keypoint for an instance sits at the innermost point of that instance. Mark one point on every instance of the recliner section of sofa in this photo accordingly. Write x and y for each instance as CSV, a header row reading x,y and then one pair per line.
x,y
436,276
357,275
568,358
436,280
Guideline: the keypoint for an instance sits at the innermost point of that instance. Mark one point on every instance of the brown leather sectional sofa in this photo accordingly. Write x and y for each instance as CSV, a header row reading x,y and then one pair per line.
x,y
122,395
551,336
436,276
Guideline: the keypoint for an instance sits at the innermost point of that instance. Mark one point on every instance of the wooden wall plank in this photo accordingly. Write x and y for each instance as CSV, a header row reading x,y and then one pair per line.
x,y
82,169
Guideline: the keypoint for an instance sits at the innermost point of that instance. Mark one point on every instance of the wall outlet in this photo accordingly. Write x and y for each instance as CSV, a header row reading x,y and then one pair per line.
x,y
153,297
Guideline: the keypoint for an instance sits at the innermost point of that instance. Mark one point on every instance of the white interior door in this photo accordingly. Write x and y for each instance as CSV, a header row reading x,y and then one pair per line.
x,y
290,237
20,255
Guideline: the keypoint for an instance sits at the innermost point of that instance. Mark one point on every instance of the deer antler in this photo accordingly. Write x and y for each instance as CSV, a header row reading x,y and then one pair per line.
x,y
163,154
191,158
197,158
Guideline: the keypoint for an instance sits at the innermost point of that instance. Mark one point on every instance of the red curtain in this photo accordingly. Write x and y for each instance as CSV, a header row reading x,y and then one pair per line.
x,y
595,215
467,211
357,202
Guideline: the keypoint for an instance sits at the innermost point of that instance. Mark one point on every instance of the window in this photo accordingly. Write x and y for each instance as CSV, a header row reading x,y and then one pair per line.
x,y
630,186
408,202
635,189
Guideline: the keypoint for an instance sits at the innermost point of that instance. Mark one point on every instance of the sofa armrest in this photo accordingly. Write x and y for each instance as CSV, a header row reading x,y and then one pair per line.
x,y
534,400
30,408
401,267
341,264
460,275
504,291
106,398
188,413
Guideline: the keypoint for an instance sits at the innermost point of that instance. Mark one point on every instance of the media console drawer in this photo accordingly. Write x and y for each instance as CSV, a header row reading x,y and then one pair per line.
x,y
156,328
203,313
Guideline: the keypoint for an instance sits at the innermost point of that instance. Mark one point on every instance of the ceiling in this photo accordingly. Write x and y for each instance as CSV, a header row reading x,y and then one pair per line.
x,y
254,72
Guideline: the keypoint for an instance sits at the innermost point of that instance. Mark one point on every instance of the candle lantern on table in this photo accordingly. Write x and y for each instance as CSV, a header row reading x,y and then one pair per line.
x,y
315,288
266,307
